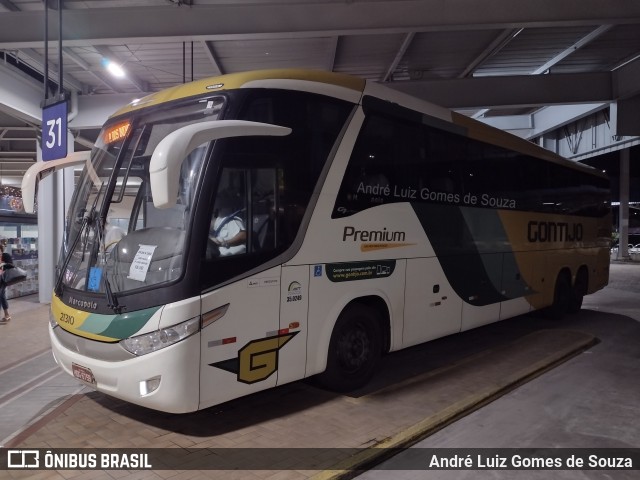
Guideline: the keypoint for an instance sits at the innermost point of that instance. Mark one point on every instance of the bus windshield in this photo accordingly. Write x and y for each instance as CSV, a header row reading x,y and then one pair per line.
x,y
115,238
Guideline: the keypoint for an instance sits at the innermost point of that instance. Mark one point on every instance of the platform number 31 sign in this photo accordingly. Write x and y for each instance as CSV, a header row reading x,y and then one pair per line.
x,y
54,131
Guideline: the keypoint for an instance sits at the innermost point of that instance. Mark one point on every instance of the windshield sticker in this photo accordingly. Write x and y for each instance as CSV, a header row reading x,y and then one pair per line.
x,y
141,262
95,275
346,272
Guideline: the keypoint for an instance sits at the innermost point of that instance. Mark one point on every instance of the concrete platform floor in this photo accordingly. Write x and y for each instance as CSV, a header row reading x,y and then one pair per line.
x,y
591,397
591,401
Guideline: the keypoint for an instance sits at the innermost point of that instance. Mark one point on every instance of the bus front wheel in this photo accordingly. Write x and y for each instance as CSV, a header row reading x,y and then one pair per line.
x,y
354,349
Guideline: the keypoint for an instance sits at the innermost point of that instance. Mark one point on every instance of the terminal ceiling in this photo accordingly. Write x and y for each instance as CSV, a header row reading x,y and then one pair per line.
x,y
529,67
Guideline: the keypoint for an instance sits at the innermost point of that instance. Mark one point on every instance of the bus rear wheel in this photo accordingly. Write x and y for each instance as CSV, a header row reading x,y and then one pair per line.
x,y
354,350
562,297
579,291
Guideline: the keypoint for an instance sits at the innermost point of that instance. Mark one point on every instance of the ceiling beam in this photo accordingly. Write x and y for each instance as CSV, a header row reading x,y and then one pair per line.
x,y
627,79
514,91
20,95
94,110
76,58
562,55
406,42
571,49
213,58
9,5
37,61
544,120
494,47
250,20
332,51
85,66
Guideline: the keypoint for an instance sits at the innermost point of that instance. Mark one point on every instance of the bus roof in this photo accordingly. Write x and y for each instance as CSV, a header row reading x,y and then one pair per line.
x,y
237,80
487,133
474,128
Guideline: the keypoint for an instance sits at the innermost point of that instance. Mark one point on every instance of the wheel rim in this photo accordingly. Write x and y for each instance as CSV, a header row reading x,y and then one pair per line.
x,y
354,349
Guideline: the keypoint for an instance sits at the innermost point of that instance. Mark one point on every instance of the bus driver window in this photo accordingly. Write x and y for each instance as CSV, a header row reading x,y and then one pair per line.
x,y
228,226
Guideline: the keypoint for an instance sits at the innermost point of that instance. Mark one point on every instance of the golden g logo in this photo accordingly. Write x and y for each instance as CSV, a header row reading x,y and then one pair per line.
x,y
257,360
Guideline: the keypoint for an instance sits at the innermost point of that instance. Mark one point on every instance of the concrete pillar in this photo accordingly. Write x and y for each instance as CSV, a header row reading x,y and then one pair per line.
x,y
54,197
623,237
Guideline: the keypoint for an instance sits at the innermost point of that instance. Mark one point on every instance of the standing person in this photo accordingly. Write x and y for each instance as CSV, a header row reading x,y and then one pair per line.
x,y
5,261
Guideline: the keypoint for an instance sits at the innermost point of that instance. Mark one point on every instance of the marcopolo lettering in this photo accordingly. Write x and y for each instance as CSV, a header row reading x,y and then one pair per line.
x,y
384,235
554,232
74,302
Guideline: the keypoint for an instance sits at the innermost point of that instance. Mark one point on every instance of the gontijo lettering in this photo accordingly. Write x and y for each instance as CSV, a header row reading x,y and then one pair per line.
x,y
384,235
554,232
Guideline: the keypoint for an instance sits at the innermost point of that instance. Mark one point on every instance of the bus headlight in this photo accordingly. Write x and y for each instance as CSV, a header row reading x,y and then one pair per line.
x,y
151,342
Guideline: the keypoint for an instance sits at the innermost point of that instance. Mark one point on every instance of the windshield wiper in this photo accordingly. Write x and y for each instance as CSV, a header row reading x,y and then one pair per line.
x,y
111,297
112,300
87,219
58,288
90,219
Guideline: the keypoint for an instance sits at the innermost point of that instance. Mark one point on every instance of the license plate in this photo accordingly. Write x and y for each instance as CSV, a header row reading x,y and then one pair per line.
x,y
83,373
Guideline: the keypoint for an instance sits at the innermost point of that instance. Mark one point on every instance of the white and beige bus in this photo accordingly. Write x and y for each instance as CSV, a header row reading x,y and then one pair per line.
x,y
244,231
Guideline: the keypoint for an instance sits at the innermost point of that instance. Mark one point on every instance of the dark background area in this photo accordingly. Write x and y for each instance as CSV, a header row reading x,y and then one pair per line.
x,y
610,162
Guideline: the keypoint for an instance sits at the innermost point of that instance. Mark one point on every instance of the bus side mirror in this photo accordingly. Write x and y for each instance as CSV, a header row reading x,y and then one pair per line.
x,y
167,158
40,170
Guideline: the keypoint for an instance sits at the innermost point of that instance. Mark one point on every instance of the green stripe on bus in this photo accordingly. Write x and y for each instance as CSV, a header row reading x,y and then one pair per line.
x,y
119,326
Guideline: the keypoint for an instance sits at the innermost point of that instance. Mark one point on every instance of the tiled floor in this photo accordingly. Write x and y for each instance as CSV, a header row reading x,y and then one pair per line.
x,y
43,408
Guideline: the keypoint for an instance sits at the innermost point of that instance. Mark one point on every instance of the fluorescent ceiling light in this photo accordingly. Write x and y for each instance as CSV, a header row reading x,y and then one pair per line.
x,y
113,68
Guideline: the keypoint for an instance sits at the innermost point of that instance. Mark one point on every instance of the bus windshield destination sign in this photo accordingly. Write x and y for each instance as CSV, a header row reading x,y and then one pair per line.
x,y
115,133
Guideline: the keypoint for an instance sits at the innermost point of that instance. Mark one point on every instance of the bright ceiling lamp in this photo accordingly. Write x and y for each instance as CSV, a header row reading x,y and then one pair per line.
x,y
113,68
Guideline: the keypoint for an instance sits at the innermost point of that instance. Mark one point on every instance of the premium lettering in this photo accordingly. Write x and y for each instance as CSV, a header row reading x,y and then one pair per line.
x,y
554,232
384,235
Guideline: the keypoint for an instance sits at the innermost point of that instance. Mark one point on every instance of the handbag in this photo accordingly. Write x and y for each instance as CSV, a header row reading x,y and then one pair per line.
x,y
14,275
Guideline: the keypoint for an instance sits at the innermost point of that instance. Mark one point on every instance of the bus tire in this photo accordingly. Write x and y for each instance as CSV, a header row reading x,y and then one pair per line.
x,y
562,297
579,291
354,349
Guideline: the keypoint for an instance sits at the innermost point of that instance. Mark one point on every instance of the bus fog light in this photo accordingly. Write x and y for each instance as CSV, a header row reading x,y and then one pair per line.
x,y
149,386
52,320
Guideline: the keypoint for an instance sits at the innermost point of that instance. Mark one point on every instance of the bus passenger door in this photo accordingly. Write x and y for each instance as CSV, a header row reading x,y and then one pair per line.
x,y
294,302
239,342
432,308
